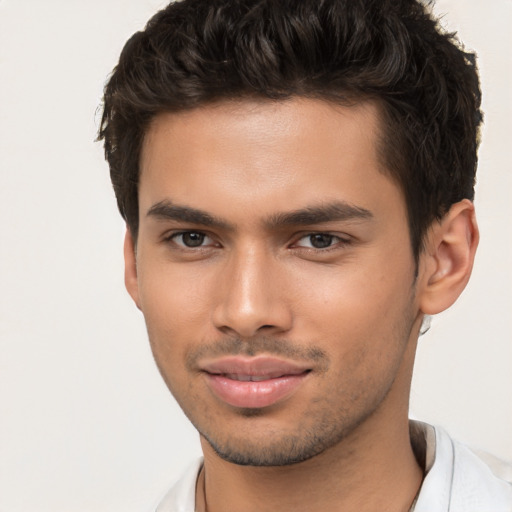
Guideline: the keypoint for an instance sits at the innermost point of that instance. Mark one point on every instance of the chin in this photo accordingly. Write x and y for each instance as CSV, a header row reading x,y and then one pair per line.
x,y
271,450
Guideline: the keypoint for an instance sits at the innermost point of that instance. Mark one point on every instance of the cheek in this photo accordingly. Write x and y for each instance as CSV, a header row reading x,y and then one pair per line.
x,y
176,311
171,294
355,298
362,314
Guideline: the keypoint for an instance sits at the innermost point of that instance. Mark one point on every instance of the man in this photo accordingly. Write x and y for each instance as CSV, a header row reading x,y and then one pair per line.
x,y
297,181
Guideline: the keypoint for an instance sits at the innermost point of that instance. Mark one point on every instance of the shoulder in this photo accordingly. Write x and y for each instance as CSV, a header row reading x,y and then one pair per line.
x,y
461,481
480,482
499,467
182,496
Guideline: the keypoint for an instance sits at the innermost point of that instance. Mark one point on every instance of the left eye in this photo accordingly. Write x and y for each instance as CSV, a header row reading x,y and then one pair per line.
x,y
318,241
191,239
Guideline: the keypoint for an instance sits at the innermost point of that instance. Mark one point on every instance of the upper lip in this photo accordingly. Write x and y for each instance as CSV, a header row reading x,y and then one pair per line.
x,y
260,366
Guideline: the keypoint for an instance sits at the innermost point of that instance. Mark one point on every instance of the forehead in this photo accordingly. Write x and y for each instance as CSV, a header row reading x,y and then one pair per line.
x,y
252,156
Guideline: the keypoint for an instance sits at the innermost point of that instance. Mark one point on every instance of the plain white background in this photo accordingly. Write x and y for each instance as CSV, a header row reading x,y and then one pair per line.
x,y
86,424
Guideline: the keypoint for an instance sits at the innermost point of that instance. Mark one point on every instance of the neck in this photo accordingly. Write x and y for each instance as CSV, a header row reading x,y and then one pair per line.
x,y
363,473
373,468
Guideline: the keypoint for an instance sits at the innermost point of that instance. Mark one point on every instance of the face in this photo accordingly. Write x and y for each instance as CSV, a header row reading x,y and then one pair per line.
x,y
275,273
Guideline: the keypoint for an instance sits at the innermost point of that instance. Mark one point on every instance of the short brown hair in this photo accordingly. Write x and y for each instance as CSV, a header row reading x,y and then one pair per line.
x,y
195,52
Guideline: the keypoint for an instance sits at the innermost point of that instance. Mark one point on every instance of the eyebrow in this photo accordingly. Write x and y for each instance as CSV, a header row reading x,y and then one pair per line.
x,y
329,212
318,214
165,210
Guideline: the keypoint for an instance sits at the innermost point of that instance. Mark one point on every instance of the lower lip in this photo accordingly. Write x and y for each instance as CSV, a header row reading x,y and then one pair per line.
x,y
250,394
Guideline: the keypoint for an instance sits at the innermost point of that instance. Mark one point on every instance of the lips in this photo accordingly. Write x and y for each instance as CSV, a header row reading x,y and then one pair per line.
x,y
247,378
253,382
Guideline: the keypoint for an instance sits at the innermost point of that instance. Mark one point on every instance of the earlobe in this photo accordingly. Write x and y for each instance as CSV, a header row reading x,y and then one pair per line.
x,y
130,268
450,253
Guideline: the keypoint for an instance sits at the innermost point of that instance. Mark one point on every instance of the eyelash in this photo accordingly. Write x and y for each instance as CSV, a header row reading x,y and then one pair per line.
x,y
173,236
339,242
336,241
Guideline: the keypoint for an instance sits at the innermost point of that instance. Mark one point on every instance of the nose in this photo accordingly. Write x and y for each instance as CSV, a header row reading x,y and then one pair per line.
x,y
251,297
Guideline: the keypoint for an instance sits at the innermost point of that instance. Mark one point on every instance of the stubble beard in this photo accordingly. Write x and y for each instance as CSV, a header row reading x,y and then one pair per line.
x,y
326,424
286,450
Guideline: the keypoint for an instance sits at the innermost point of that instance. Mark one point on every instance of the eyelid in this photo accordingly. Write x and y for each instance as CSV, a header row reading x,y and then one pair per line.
x,y
170,237
341,240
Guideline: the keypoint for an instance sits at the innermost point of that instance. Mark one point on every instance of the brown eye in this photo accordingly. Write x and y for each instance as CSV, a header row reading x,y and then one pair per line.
x,y
190,239
321,240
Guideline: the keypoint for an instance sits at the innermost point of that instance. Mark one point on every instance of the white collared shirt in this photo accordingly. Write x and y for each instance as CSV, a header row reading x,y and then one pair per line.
x,y
456,480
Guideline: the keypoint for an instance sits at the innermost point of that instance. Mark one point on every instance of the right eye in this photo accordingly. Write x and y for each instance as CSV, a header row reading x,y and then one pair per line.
x,y
191,239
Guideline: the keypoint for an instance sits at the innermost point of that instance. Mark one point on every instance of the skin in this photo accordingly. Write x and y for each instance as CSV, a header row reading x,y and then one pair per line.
x,y
335,292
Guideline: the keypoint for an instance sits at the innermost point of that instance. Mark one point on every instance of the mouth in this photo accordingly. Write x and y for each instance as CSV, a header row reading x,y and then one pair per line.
x,y
254,382
249,378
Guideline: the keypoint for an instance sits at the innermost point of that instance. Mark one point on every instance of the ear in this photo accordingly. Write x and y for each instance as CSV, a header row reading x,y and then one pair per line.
x,y
130,267
448,258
